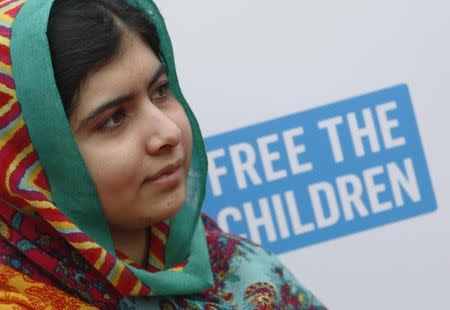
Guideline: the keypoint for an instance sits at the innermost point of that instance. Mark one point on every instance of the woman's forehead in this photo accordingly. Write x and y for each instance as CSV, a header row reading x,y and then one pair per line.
x,y
129,72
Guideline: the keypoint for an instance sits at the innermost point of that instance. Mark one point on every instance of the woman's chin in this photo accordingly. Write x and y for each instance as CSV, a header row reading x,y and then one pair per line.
x,y
167,208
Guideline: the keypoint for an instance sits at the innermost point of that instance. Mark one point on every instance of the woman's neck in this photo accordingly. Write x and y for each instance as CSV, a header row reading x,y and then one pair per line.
x,y
133,244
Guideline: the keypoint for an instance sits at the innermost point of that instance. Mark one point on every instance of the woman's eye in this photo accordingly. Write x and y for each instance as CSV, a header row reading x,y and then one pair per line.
x,y
160,93
113,121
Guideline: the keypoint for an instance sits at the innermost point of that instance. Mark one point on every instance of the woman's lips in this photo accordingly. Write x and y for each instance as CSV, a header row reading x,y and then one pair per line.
x,y
170,175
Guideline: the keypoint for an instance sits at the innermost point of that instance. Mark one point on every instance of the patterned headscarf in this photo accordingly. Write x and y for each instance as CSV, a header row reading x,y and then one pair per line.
x,y
51,223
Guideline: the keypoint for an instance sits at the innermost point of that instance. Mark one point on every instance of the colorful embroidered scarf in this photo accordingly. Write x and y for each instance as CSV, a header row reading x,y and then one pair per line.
x,y
46,187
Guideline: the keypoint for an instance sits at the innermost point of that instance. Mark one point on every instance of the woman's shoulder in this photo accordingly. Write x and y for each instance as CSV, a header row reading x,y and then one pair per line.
x,y
19,291
245,274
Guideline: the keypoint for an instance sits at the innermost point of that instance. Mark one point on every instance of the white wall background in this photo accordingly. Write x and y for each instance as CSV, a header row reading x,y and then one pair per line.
x,y
244,62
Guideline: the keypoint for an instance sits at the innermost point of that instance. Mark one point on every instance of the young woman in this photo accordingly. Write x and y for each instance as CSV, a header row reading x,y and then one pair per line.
x,y
103,168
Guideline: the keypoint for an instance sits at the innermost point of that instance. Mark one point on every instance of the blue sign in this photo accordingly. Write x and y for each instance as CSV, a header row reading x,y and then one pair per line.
x,y
328,172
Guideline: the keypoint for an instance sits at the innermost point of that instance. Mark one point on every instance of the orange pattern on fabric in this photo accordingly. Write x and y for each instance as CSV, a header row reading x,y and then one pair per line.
x,y
18,291
159,233
158,238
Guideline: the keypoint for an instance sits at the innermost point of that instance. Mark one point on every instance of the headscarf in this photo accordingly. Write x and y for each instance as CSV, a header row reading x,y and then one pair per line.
x,y
53,233
45,179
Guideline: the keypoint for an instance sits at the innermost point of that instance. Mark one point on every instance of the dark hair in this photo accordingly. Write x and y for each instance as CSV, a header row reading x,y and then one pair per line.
x,y
86,35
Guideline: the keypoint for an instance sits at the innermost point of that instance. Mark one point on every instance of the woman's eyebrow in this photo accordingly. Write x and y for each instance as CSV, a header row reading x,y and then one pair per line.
x,y
119,100
104,107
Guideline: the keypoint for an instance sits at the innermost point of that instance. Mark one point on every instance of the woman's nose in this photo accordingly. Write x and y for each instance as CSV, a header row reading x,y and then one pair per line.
x,y
163,131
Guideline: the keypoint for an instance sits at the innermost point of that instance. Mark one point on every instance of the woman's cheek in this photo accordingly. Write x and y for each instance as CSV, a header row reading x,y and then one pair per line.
x,y
111,166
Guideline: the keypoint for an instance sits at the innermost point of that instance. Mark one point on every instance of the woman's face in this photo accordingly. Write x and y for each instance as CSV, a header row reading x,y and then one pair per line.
x,y
134,137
